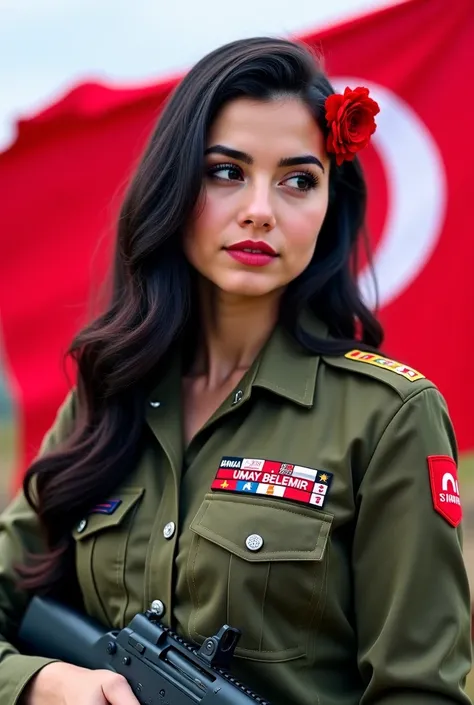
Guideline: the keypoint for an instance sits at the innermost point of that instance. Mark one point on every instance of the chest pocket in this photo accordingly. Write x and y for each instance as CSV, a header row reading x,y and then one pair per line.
x,y
101,558
259,565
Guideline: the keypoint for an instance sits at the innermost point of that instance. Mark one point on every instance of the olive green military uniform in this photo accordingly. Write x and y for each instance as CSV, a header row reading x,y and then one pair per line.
x,y
361,596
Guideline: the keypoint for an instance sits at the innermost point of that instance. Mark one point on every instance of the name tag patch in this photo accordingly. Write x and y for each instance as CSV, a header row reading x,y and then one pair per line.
x,y
272,478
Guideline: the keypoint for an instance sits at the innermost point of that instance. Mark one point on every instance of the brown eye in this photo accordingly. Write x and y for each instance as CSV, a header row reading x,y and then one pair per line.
x,y
225,172
305,181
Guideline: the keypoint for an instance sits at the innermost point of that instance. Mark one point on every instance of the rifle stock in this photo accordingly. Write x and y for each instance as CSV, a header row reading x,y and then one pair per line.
x,y
161,668
52,630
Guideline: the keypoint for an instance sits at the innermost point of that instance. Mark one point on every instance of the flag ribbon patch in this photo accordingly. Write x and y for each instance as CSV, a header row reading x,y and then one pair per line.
x,y
272,478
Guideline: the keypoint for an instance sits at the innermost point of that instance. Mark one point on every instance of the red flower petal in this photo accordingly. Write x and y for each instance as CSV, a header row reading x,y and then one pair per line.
x,y
332,106
351,122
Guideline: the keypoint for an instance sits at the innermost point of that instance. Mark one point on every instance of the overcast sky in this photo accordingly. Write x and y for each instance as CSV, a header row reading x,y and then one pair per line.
x,y
46,45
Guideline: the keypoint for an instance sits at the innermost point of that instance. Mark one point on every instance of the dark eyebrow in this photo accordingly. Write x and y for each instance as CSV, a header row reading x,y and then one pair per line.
x,y
231,153
304,159
247,159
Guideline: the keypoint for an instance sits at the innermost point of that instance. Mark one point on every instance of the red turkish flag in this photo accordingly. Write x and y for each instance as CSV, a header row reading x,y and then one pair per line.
x,y
62,181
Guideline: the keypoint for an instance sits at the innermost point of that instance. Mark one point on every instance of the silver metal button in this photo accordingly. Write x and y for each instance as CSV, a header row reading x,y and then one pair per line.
x,y
254,542
158,608
81,526
169,530
155,404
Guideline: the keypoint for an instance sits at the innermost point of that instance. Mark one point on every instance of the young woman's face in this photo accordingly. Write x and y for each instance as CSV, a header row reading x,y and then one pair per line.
x,y
265,197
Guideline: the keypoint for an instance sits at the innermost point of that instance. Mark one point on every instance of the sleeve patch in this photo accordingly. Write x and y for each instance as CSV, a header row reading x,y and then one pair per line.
x,y
445,488
384,362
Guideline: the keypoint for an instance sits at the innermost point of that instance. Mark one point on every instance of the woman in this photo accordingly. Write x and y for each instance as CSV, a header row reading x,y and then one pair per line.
x,y
258,466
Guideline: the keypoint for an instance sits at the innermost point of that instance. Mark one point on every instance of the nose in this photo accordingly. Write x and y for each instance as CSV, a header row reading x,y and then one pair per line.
x,y
257,211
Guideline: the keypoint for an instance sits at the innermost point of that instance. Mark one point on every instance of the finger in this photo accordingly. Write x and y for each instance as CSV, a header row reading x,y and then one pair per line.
x,y
117,691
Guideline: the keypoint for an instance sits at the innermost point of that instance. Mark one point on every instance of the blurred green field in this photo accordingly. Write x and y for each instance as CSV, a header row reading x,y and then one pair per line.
x,y
8,442
466,471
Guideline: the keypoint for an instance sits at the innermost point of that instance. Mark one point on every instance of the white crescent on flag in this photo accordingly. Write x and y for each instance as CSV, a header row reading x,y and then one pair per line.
x,y
413,165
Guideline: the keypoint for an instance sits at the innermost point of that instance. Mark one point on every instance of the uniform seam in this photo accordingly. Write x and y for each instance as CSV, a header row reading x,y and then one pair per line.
x,y
124,572
321,600
417,392
195,629
227,613
316,600
391,420
121,548
263,607
93,578
322,593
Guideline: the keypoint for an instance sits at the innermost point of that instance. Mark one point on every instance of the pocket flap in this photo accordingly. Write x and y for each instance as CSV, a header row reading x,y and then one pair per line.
x,y
100,520
290,532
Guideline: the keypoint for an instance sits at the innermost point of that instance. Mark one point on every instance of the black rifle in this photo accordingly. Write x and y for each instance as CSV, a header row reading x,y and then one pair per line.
x,y
160,667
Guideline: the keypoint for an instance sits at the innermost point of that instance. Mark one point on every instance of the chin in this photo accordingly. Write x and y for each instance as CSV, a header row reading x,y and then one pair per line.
x,y
247,286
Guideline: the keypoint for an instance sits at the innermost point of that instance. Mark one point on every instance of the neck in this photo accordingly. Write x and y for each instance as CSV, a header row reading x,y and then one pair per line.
x,y
233,331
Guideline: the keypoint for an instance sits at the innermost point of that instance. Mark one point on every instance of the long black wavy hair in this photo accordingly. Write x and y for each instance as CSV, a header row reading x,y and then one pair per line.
x,y
123,351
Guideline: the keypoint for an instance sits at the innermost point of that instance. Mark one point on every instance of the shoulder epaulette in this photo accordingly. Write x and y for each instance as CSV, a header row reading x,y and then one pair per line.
x,y
381,368
385,363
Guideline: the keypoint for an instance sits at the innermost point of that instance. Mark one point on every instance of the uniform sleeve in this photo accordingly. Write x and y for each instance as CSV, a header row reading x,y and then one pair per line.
x,y
412,604
19,533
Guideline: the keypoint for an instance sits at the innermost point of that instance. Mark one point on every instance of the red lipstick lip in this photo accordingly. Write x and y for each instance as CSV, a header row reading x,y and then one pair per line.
x,y
259,245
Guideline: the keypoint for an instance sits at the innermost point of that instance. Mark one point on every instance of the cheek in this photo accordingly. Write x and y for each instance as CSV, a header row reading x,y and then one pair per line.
x,y
205,231
199,233
302,229
213,212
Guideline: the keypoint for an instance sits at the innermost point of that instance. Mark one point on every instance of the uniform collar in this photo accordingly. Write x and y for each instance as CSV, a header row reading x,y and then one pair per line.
x,y
284,368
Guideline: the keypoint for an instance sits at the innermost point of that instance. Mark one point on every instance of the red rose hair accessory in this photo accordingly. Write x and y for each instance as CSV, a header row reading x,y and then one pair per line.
x,y
351,123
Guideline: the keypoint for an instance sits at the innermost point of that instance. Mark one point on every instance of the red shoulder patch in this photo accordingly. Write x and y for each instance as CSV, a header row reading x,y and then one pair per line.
x,y
445,487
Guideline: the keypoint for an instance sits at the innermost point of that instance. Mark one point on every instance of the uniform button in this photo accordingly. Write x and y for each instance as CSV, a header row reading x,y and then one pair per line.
x,y
158,608
155,404
254,542
81,526
169,530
